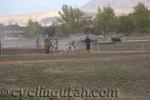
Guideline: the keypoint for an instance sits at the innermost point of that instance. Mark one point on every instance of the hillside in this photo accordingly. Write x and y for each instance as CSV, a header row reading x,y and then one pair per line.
x,y
120,6
22,20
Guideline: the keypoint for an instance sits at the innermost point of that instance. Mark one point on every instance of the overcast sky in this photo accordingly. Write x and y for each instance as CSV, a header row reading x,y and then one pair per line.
x,y
13,7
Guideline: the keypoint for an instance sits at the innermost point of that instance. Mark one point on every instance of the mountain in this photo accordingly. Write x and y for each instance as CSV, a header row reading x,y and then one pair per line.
x,y
120,6
43,18
90,9
49,20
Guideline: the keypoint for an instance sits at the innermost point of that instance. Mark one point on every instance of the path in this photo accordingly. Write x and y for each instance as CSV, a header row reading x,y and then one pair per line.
x,y
45,61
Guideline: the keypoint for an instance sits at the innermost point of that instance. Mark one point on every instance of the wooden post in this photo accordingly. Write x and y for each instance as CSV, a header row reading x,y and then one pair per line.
x,y
0,48
142,48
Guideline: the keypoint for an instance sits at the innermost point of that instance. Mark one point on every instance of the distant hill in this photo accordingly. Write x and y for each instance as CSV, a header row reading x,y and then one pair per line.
x,y
46,18
43,18
120,6
49,20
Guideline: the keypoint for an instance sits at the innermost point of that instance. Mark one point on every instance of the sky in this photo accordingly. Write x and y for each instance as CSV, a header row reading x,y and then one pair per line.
x,y
14,7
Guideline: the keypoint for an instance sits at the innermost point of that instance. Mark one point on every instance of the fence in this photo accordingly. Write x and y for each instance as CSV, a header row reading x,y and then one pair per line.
x,y
125,46
19,46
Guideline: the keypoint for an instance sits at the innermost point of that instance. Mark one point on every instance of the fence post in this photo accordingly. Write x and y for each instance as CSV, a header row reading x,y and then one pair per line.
x,y
97,48
0,48
142,49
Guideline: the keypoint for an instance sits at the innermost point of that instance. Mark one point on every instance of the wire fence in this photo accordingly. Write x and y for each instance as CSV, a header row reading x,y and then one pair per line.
x,y
128,44
125,46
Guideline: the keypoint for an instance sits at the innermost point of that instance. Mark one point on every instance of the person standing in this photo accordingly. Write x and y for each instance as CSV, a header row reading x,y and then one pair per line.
x,y
56,44
51,44
37,42
88,43
47,45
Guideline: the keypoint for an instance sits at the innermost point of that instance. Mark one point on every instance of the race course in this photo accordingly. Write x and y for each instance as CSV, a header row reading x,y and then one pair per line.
x,y
127,72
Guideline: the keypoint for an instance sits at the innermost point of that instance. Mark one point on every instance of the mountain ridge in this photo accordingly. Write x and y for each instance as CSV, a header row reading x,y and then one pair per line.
x,y
90,8
119,6
22,19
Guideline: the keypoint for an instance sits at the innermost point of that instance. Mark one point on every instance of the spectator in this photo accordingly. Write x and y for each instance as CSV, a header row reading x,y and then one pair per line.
x,y
51,44
56,44
88,43
37,42
47,45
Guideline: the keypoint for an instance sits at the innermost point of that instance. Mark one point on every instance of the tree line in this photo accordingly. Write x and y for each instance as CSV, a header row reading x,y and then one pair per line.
x,y
72,20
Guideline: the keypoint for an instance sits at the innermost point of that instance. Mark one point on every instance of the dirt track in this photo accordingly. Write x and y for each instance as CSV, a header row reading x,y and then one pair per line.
x,y
72,57
44,61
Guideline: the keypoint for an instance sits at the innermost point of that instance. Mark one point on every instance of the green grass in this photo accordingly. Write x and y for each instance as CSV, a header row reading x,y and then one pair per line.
x,y
123,46
129,73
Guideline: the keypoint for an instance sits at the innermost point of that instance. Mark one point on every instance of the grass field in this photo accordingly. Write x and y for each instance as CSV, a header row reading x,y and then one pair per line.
x,y
127,72
123,46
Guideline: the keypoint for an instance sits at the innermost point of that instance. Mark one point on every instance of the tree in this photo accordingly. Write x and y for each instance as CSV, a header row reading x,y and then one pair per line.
x,y
105,21
125,24
51,30
70,20
33,29
141,18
